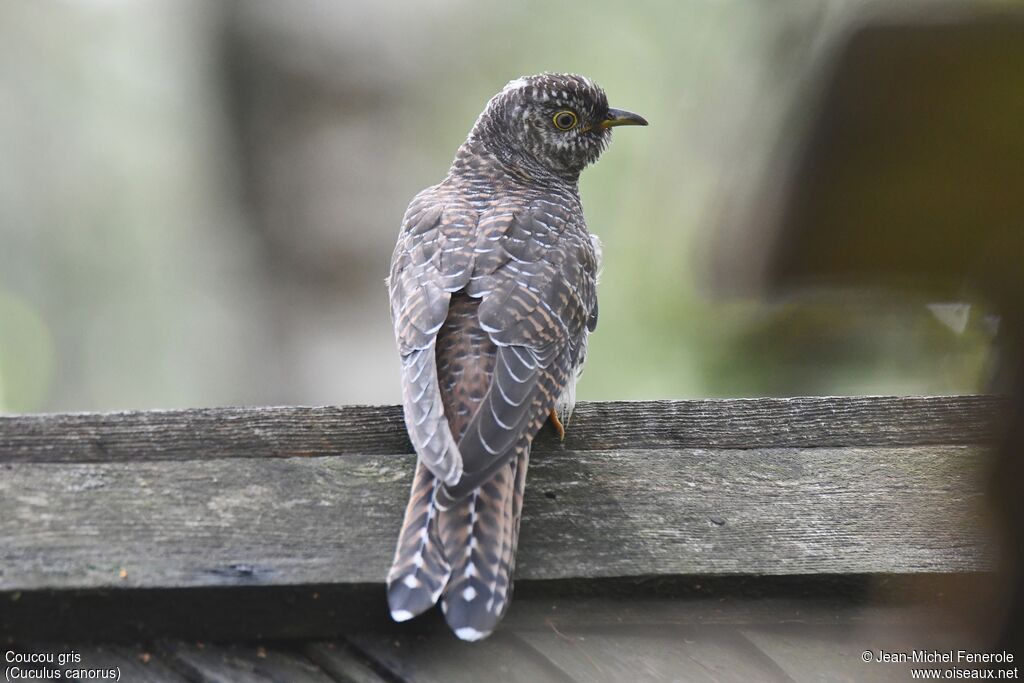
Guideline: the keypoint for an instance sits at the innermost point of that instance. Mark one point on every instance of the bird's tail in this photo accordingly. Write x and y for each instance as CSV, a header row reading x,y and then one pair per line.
x,y
463,555
420,571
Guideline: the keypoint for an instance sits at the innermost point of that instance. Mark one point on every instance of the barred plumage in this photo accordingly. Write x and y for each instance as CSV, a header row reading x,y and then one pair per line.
x,y
493,294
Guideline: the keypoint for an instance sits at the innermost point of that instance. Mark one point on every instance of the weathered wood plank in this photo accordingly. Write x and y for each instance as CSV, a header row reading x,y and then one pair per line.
x,y
214,614
137,665
379,430
210,614
608,640
806,653
604,614
329,520
243,664
258,612
653,655
440,658
344,663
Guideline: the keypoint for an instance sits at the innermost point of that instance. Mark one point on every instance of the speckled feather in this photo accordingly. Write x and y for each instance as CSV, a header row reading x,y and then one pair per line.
x,y
493,293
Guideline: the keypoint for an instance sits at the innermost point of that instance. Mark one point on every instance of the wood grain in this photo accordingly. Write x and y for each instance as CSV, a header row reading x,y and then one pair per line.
x,y
565,641
136,664
428,659
379,430
344,662
329,520
219,613
248,663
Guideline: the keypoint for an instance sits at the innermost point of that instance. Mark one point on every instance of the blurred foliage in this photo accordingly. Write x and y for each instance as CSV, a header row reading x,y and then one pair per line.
x,y
176,231
26,356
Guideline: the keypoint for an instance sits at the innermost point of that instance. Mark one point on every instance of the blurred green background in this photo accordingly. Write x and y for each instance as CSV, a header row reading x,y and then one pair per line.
x,y
198,200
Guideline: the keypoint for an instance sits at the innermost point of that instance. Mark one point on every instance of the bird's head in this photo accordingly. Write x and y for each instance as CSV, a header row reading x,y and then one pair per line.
x,y
562,122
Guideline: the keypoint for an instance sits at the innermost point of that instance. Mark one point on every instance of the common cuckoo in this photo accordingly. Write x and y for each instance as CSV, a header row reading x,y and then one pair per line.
x,y
492,291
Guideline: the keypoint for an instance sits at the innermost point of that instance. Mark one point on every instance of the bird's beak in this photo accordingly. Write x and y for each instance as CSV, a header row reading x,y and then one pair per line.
x,y
621,117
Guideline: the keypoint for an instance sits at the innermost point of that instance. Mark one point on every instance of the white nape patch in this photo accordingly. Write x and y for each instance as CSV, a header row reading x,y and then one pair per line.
x,y
469,594
470,571
411,581
470,633
516,84
401,615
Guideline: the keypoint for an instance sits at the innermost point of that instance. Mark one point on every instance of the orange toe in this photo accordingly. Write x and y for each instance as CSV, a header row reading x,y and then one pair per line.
x,y
557,424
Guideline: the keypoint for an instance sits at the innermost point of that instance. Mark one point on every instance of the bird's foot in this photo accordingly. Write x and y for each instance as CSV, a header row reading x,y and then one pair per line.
x,y
557,424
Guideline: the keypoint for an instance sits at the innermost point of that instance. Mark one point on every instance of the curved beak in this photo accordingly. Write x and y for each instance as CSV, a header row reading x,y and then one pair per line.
x,y
621,117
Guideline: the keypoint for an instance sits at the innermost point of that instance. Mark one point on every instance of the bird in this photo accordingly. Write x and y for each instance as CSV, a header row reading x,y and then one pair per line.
x,y
493,295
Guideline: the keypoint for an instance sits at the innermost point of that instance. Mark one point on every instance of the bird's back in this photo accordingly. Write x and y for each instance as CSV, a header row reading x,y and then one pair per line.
x,y
465,555
465,362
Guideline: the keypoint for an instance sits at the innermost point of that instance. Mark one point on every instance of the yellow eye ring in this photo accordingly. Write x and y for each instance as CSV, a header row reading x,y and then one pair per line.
x,y
565,120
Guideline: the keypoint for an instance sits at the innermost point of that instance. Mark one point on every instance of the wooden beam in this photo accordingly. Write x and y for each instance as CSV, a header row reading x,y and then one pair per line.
x,y
223,613
563,641
249,497
285,432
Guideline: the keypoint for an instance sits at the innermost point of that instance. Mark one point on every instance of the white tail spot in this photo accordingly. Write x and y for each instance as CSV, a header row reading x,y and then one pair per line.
x,y
470,633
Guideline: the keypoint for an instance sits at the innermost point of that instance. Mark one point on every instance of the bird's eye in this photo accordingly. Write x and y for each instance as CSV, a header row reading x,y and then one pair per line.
x,y
565,120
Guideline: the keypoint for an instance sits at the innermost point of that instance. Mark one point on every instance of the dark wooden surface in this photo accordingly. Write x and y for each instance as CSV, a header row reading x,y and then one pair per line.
x,y
559,641
331,611
768,486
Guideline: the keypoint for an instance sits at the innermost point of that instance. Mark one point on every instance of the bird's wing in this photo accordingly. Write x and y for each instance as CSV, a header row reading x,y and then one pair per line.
x,y
535,275
432,259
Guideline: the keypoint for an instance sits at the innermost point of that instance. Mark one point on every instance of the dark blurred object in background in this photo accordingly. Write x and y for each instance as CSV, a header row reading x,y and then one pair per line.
x,y
909,184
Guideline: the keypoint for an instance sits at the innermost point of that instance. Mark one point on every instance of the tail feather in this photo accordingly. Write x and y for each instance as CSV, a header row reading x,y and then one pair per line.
x,y
476,546
420,570
503,588
499,587
463,556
